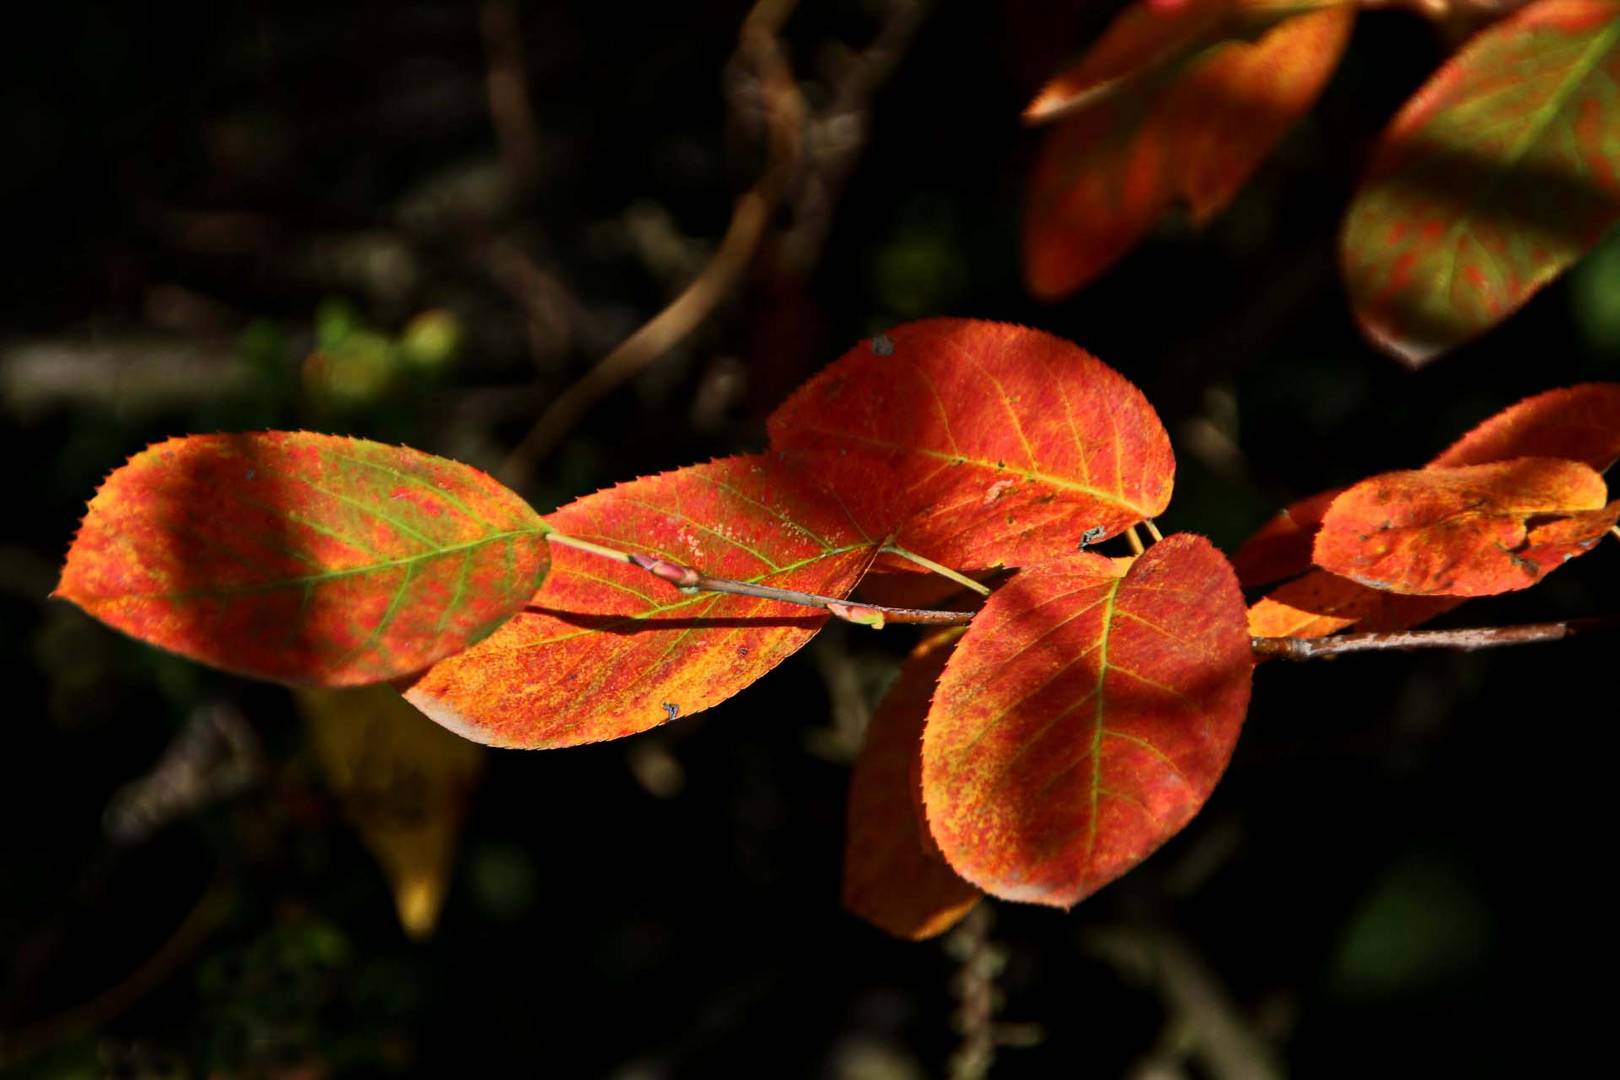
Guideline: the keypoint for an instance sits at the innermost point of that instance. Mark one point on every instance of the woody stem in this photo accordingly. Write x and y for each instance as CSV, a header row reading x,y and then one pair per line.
x,y
689,580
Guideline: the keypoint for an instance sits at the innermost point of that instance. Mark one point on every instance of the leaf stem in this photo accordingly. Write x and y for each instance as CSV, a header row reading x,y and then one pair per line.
x,y
1463,640
585,545
1153,530
1136,541
943,571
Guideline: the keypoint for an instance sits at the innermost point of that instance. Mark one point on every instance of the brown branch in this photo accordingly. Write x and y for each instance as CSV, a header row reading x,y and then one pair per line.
x,y
874,615
1465,640
507,85
689,580
839,131
759,48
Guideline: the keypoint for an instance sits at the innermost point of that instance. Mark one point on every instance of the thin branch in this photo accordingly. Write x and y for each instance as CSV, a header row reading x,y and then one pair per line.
x,y
1465,640
689,580
759,47
507,86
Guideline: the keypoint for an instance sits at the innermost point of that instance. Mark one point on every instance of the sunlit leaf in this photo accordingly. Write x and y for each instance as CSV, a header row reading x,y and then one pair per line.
x,y
1470,530
979,444
1108,173
405,784
304,558
1319,603
1580,423
605,650
1084,718
1493,179
891,877
1576,423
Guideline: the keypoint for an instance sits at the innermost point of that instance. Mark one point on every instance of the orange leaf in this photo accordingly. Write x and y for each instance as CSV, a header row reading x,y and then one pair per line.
x,y
605,650
1084,719
1107,174
304,558
1464,531
1320,603
979,444
1492,180
1282,546
1579,423
1145,39
891,877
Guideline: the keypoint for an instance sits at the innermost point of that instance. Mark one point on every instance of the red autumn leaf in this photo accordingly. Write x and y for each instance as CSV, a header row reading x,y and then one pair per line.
x,y
1471,530
1084,719
605,649
1579,423
304,558
979,444
1107,174
891,877
1282,546
1492,180
1576,423
1141,43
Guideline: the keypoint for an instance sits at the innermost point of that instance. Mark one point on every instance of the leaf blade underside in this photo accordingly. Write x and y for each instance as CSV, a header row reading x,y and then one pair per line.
x,y
304,558
605,650
1085,718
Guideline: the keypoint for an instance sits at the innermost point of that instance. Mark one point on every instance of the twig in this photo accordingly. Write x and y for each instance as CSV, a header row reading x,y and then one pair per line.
x,y
975,990
507,85
689,580
839,131
784,112
1465,640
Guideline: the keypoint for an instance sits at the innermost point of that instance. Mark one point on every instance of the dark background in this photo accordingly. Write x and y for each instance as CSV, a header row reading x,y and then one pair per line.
x,y
1401,874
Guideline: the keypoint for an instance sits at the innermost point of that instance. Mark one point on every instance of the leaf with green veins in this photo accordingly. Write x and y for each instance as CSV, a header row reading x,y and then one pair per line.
x,y
605,649
1496,176
978,444
304,558
1084,718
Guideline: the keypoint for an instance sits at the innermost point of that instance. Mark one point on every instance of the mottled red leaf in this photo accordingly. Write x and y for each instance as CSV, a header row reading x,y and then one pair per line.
x,y
605,650
1108,173
1471,530
979,444
892,878
1493,179
304,558
1085,717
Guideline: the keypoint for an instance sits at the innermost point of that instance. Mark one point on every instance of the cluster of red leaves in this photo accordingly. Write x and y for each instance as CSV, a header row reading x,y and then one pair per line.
x,y
1500,509
1492,180
1081,719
